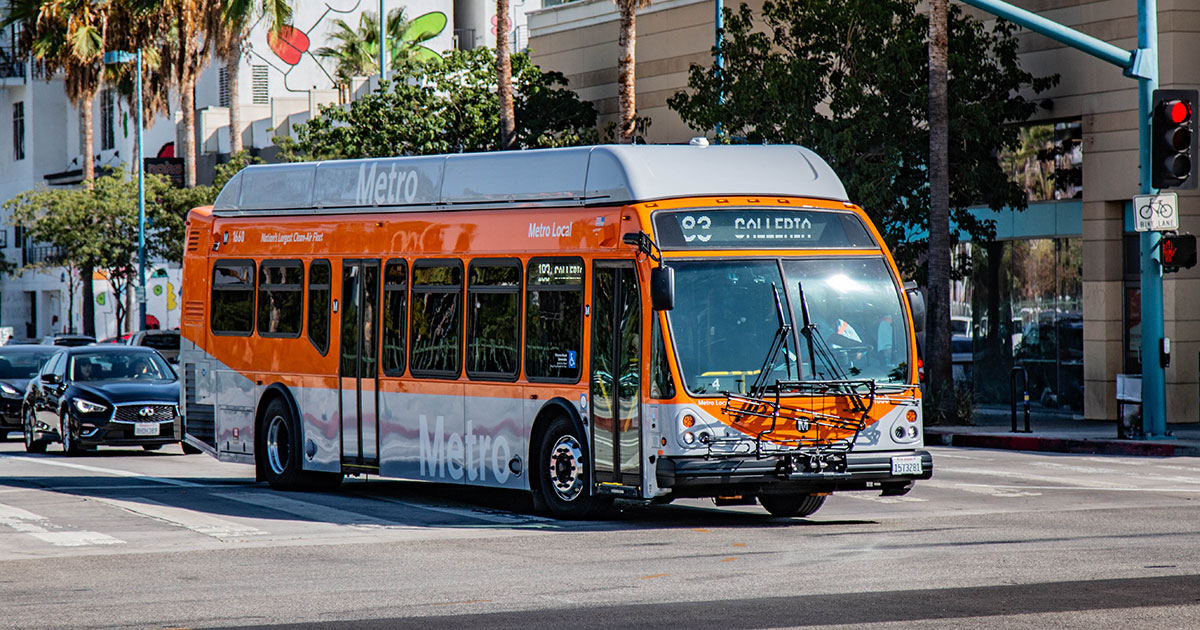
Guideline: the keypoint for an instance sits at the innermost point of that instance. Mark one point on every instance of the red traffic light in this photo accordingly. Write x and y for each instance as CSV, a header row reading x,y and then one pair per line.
x,y
1178,111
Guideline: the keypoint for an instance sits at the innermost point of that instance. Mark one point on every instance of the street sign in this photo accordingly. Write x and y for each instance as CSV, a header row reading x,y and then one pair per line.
x,y
1156,212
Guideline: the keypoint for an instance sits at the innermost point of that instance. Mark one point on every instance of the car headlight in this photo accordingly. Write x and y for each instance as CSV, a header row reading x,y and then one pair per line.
x,y
87,406
9,391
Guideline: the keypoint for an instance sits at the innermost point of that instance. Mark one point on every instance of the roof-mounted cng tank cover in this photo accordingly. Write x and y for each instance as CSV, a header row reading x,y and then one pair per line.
x,y
573,176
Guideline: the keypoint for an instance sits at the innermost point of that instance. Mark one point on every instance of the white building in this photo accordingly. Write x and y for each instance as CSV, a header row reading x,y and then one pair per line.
x,y
282,83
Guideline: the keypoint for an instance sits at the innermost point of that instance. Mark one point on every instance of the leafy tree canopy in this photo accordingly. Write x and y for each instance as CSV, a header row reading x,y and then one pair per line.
x,y
849,79
446,106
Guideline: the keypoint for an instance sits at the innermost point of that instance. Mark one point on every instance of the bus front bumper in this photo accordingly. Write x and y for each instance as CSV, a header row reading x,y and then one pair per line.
x,y
698,476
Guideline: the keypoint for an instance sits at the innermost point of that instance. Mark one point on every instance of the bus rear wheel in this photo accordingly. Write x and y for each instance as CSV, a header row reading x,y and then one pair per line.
x,y
279,453
785,505
563,477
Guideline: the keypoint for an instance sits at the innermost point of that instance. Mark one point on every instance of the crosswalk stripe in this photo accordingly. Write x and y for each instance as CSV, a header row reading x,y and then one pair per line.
x,y
27,522
188,519
107,471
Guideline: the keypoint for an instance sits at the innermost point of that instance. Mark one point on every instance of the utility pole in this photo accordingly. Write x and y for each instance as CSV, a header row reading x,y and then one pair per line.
x,y
1141,64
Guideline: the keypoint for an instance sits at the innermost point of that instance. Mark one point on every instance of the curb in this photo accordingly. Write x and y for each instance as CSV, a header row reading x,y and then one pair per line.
x,y
1059,444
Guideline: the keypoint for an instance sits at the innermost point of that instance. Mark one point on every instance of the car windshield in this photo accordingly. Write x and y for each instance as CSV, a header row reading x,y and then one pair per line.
x,y
23,365
163,341
108,366
725,319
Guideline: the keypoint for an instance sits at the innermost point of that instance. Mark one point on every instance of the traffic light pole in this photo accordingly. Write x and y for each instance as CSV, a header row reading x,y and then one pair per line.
x,y
1141,64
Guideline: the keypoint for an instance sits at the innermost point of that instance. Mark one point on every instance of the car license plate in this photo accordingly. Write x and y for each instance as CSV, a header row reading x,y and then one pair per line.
x,y
151,428
907,465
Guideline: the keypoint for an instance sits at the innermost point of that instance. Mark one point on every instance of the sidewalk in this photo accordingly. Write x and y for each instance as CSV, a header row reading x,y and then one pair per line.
x,y
1060,432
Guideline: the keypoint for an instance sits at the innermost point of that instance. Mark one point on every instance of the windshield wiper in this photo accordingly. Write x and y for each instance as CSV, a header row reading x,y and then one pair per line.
x,y
817,347
778,343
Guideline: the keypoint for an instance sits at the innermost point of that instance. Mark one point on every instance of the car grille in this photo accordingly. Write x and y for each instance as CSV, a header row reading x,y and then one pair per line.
x,y
133,413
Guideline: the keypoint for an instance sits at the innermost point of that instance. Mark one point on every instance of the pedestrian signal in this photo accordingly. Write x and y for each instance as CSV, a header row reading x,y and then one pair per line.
x,y
1178,252
1173,139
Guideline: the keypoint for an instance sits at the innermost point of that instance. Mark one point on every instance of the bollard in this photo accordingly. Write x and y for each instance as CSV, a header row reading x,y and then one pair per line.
x,y
1012,379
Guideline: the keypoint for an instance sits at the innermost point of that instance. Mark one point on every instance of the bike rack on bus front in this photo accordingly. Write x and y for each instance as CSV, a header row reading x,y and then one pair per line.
x,y
826,434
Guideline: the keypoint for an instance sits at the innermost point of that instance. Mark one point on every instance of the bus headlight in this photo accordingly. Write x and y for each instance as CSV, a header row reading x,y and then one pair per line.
x,y
689,437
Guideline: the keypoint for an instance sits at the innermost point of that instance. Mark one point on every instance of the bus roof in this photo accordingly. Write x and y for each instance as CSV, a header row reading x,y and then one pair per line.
x,y
579,176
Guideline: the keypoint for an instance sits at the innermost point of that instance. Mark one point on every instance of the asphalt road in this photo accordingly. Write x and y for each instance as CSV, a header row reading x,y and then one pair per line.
x,y
997,539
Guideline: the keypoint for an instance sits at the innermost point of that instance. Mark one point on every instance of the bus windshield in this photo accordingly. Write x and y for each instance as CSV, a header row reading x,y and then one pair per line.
x,y
725,319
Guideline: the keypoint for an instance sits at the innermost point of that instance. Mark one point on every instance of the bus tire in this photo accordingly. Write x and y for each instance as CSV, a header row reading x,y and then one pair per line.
x,y
787,505
563,472
279,452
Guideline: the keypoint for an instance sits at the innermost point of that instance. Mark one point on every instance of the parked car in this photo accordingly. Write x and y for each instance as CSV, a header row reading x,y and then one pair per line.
x,y
115,395
18,364
165,341
67,339
122,338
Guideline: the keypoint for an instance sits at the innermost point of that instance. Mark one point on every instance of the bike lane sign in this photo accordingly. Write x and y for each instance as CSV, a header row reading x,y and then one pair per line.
x,y
1156,212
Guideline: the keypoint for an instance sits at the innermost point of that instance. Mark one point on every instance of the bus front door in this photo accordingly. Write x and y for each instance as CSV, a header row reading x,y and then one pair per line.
x,y
616,351
358,368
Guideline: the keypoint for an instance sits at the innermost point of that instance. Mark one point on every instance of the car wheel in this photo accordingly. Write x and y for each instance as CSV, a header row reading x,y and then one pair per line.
x,y
70,442
563,473
800,505
32,445
279,452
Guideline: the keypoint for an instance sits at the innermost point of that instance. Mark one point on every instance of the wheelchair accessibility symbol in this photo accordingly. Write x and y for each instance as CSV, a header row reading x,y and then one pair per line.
x,y
1156,212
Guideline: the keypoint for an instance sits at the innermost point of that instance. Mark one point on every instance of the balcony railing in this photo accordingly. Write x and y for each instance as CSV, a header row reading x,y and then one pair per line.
x,y
12,65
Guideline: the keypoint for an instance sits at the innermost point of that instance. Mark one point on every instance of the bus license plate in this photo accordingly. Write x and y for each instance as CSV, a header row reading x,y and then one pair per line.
x,y
151,428
908,465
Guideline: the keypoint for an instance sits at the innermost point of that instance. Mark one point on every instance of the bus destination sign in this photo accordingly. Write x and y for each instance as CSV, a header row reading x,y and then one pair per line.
x,y
760,228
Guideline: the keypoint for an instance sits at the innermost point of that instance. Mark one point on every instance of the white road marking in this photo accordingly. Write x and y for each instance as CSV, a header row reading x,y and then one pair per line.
x,y
475,513
878,499
106,471
218,528
1077,488
308,511
27,522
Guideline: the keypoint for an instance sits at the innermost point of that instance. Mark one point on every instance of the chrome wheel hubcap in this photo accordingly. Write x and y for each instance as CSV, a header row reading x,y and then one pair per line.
x,y
278,443
566,468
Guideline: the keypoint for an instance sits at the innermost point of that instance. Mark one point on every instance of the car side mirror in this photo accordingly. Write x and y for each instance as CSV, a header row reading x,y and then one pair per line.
x,y
662,288
50,379
916,303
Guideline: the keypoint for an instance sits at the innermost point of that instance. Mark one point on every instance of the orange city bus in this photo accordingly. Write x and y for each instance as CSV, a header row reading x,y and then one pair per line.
x,y
642,322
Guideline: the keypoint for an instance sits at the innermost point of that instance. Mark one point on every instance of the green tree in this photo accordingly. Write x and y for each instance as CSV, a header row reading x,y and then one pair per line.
x,y
446,107
849,79
356,51
95,228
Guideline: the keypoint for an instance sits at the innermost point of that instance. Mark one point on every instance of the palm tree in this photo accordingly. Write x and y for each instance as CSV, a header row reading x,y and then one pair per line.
x,y
69,35
357,50
937,329
229,37
626,93
504,88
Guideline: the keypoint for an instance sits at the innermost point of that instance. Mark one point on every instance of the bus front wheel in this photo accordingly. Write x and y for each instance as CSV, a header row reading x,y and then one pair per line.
x,y
800,505
279,453
562,466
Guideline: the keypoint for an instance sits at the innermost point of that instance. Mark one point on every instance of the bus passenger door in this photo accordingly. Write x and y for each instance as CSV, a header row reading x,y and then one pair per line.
x,y
616,343
358,365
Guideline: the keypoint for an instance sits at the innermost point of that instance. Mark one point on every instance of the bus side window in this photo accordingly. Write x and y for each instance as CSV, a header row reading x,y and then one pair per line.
x,y
435,329
554,320
395,312
280,298
318,304
233,297
493,319
661,383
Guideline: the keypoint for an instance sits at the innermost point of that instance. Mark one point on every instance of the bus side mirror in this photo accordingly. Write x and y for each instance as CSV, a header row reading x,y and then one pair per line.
x,y
662,288
916,301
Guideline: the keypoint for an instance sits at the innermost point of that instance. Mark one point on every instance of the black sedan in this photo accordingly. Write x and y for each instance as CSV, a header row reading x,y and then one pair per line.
x,y
18,364
114,395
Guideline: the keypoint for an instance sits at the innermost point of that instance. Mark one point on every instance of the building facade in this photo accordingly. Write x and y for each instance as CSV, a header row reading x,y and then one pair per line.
x,y
1059,292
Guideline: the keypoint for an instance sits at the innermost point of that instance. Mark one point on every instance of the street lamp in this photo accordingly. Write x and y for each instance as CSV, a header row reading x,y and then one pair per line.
x,y
121,56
